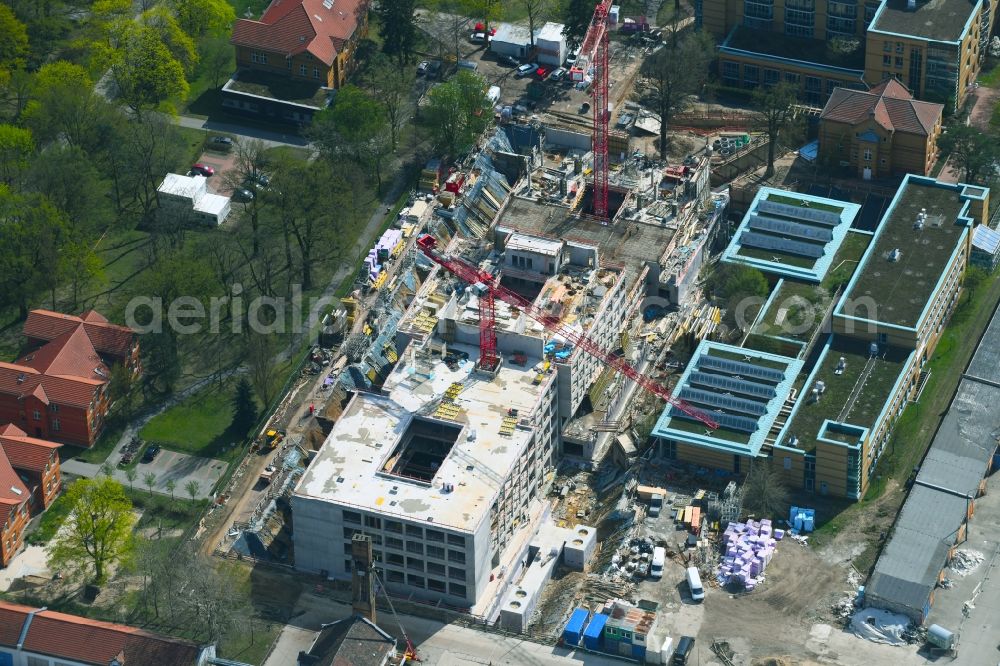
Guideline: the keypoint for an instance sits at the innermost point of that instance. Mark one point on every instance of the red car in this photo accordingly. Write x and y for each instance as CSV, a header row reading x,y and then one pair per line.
x,y
202,169
541,73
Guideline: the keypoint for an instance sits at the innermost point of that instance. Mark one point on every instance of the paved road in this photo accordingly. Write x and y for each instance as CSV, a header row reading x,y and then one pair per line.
x,y
268,138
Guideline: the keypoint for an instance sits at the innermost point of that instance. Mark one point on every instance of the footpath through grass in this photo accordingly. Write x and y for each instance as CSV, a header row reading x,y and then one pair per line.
x,y
199,425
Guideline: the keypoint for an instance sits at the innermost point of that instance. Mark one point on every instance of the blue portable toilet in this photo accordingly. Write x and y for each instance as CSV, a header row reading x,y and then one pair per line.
x,y
592,635
574,628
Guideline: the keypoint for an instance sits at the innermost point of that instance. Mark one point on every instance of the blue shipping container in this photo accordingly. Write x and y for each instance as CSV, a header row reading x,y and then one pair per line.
x,y
639,652
592,636
574,628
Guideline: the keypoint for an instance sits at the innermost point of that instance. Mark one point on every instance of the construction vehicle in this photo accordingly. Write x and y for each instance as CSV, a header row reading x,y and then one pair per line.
x,y
268,474
485,286
271,440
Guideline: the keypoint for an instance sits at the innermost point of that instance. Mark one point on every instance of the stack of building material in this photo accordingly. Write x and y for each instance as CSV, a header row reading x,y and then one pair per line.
x,y
749,548
802,519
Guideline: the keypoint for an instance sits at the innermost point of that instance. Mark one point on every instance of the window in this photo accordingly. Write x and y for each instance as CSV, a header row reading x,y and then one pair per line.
x,y
415,547
455,540
437,569
315,73
792,78
415,581
414,564
37,661
37,415
373,522
887,47
435,551
394,526
788,462
394,576
393,558
347,549
899,47
56,425
349,532
435,535
393,542
730,73
457,590
886,60
352,517
456,557
258,57
436,585
771,77
54,409
303,70
414,531
868,154
899,62
456,574
751,76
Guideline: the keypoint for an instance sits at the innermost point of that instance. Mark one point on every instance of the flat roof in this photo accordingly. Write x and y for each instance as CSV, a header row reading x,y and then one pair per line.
x,y
528,243
815,53
907,570
182,186
742,389
791,234
280,87
347,467
846,399
985,362
629,243
213,204
937,20
550,32
899,286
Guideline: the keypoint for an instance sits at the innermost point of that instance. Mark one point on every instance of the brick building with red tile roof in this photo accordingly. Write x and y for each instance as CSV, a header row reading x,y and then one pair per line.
x,y
47,635
58,389
311,40
30,480
880,131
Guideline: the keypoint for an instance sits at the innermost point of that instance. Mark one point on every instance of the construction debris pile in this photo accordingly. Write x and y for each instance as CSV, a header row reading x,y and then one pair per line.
x,y
749,548
882,626
633,558
965,562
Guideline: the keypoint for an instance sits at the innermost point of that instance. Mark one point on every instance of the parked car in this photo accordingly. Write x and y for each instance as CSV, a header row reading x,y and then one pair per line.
x,y
221,142
542,72
572,57
559,74
468,65
509,60
202,169
478,38
526,69
433,69
242,195
150,454
261,180
422,67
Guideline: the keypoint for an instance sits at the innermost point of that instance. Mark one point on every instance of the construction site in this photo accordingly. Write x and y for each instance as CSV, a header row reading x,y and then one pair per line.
x,y
541,424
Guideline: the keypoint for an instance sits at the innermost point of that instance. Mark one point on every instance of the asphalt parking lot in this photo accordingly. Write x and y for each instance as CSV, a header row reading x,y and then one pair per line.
x,y
181,468
222,162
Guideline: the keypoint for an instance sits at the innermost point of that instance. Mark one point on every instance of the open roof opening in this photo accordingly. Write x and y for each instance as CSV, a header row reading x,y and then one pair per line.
x,y
421,450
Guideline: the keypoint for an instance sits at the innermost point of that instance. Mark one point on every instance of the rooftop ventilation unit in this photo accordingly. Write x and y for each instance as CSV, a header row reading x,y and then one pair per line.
x,y
895,255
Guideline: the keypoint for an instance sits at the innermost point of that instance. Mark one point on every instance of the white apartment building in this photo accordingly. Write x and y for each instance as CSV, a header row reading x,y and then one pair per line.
x,y
187,199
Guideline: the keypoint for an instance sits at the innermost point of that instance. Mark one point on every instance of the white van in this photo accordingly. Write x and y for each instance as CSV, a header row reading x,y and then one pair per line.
x,y
694,584
493,94
659,559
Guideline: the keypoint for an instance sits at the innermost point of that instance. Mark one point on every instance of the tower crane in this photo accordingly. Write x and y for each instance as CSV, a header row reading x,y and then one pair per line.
x,y
485,286
594,52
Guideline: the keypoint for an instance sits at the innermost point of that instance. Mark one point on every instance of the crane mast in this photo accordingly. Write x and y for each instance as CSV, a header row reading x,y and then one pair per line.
x,y
594,52
484,284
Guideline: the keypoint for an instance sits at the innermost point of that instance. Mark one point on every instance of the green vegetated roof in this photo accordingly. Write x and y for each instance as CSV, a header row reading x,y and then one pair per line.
x,y
857,396
280,88
941,20
899,290
795,48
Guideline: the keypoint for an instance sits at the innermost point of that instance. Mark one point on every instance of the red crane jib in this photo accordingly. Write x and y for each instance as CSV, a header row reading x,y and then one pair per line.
x,y
487,343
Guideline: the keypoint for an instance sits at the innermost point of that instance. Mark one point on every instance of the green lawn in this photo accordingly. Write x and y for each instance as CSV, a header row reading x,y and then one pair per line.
x,y
803,304
990,74
199,425
249,8
776,256
168,513
101,449
50,522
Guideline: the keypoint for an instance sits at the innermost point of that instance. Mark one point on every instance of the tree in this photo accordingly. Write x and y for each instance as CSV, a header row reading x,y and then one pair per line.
x,y
354,126
79,267
16,146
458,113
150,480
63,105
244,407
193,488
970,149
68,177
32,232
773,112
391,85
765,492
171,485
144,70
178,42
131,473
536,11
216,57
121,387
398,28
98,532
259,357
673,74
13,39
200,17
487,10
576,17
248,167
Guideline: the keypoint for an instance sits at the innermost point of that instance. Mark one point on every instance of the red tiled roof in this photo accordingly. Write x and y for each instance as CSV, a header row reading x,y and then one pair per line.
x,y
69,355
25,452
290,27
91,641
106,338
12,489
69,391
889,103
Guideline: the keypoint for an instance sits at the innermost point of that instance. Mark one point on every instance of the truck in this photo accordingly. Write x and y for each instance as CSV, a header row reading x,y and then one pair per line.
x,y
267,475
655,504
